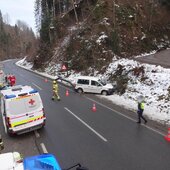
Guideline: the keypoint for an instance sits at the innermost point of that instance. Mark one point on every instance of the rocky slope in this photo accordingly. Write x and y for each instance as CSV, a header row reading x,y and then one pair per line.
x,y
106,29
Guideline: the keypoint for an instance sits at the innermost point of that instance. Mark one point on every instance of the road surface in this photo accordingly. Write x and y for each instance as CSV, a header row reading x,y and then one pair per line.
x,y
107,139
161,58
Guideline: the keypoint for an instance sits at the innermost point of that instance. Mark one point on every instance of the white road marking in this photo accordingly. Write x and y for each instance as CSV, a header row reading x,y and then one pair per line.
x,y
43,148
100,136
124,115
153,130
37,135
37,86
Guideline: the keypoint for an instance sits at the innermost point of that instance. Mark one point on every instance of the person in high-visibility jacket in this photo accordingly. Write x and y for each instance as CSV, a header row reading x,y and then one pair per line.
x,y
55,91
140,112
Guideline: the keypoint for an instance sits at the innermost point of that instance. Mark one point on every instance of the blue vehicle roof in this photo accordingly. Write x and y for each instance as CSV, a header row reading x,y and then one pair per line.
x,y
41,162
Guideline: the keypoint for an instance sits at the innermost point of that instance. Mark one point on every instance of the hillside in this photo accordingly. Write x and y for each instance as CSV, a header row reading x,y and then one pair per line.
x,y
16,41
104,29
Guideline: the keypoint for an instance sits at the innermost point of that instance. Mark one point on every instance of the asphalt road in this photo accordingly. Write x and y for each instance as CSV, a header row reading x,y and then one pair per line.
x,y
161,58
107,139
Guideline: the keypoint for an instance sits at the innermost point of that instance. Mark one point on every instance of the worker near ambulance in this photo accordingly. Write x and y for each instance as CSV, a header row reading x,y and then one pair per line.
x,y
13,80
55,91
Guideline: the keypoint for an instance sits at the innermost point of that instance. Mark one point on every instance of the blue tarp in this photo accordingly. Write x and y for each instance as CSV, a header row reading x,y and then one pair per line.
x,y
41,162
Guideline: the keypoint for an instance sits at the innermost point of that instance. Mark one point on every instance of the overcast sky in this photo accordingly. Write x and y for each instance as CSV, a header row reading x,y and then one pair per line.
x,y
19,10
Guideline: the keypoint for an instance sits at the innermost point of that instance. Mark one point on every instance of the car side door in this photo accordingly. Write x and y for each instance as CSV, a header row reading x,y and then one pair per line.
x,y
96,87
83,84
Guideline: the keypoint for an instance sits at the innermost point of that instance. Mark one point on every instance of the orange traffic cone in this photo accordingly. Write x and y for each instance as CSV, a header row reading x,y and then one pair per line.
x,y
46,80
94,107
168,135
67,93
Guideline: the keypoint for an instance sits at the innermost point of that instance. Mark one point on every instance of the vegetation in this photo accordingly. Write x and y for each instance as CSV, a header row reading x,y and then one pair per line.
x,y
87,34
16,41
165,2
131,28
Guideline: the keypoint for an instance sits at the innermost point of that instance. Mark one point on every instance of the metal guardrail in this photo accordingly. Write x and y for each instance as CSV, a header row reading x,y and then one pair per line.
x,y
62,79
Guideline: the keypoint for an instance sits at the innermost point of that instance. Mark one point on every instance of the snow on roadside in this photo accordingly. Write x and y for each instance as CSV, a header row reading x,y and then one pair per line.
x,y
155,89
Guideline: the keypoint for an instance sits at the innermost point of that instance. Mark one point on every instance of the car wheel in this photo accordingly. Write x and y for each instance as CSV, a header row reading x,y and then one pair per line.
x,y
104,93
80,90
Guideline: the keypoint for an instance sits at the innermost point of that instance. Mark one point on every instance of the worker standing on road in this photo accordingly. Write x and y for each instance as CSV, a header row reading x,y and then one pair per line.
x,y
140,110
13,80
55,91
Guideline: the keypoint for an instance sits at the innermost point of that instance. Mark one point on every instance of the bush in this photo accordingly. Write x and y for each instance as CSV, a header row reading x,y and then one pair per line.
x,y
165,2
115,42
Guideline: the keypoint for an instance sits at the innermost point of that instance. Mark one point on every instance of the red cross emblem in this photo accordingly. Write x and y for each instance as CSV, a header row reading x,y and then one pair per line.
x,y
31,101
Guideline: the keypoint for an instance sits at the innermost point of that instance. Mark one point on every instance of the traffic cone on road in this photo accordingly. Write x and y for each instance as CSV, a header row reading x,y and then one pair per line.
x,y
67,93
168,135
94,107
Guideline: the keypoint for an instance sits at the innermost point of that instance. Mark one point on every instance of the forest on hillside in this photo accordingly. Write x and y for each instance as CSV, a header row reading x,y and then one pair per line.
x,y
89,33
16,41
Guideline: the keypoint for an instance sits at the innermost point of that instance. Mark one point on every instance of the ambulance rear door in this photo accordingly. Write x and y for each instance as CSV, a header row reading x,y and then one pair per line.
x,y
25,111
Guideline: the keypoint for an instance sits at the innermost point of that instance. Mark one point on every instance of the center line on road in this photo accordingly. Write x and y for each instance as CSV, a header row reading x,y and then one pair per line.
x,y
37,135
100,136
43,148
37,86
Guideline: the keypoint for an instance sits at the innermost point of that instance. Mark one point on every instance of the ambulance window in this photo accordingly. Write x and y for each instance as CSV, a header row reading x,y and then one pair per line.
x,y
24,105
16,106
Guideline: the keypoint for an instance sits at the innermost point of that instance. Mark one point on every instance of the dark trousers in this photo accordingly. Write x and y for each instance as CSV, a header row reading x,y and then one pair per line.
x,y
140,115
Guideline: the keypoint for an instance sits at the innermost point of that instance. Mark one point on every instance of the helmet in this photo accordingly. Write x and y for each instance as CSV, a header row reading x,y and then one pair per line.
x,y
54,82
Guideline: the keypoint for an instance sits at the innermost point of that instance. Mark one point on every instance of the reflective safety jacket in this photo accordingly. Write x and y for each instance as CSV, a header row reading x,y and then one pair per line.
x,y
55,87
141,106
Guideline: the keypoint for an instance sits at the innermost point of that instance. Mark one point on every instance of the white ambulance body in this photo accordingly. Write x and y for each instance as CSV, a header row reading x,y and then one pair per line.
x,y
9,161
22,109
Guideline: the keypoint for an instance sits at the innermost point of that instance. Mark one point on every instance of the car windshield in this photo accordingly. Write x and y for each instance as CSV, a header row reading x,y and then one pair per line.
x,y
23,105
102,82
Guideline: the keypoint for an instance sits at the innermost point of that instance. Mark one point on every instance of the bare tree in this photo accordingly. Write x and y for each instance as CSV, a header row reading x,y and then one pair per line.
x,y
6,18
114,14
151,5
37,11
75,12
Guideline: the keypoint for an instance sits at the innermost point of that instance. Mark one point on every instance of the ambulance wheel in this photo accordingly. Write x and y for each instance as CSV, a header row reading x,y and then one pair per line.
x,y
43,125
42,129
10,133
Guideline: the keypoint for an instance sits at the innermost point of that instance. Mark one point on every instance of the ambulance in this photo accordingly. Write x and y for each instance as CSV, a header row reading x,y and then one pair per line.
x,y
11,161
22,110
